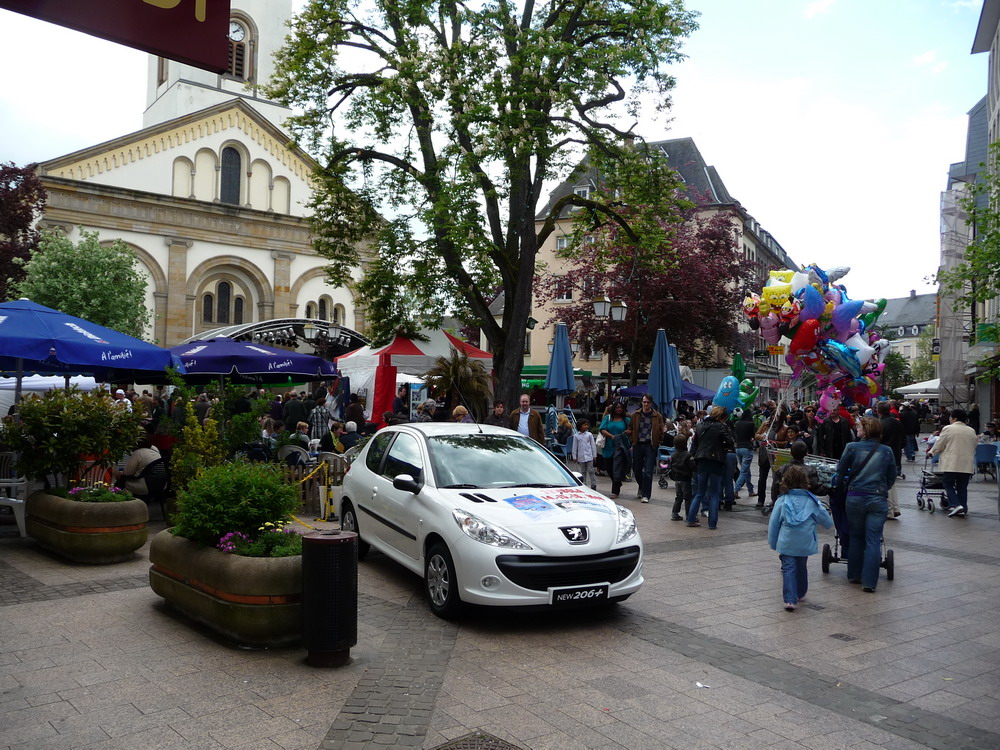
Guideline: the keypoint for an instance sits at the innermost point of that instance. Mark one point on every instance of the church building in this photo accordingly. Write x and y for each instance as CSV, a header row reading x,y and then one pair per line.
x,y
208,194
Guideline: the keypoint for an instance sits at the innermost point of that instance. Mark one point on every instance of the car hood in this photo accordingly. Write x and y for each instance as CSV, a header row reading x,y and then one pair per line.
x,y
545,518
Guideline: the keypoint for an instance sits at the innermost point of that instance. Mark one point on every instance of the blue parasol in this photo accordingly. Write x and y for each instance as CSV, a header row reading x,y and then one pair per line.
x,y
560,375
38,339
662,386
248,362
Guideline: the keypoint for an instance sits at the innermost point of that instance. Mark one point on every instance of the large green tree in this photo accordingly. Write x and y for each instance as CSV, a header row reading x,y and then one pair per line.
x,y
441,127
99,283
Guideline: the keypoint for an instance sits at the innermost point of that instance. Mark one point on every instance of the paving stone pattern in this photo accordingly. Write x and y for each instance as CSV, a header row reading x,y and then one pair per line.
x,y
703,657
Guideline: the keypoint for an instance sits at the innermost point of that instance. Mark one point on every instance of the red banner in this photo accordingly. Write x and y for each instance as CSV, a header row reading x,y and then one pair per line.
x,y
189,31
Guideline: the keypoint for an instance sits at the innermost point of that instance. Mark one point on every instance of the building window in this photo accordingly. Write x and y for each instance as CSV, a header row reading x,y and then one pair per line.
x,y
207,308
238,310
238,40
561,243
564,289
224,292
339,315
310,310
583,192
229,191
322,309
161,71
527,345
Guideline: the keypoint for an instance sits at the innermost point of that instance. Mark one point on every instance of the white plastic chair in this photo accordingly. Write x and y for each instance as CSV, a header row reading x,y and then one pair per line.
x,y
13,489
286,450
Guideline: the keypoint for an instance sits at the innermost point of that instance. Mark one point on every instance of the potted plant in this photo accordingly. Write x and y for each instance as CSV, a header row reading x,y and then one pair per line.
x,y
229,562
61,437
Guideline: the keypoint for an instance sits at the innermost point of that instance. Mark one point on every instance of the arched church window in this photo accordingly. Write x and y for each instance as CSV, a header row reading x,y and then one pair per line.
x,y
207,308
224,291
322,310
310,310
232,167
238,310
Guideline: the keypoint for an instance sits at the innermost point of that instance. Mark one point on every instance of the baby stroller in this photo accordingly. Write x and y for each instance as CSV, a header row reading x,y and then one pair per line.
x,y
931,486
837,553
663,455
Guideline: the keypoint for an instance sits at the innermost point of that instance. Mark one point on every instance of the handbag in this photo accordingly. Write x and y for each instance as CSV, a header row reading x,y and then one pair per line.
x,y
838,492
599,441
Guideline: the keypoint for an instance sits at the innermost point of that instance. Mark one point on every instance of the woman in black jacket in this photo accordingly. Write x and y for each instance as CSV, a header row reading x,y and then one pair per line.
x,y
712,442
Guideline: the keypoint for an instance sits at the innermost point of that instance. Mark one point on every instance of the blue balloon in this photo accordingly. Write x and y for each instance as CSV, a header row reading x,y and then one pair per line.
x,y
728,395
845,312
842,357
813,304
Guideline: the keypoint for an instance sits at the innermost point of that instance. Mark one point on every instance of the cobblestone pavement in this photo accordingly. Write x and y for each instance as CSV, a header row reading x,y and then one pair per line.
x,y
704,656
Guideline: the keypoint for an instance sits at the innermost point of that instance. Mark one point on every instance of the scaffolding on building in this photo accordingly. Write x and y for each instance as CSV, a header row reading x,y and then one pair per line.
x,y
954,320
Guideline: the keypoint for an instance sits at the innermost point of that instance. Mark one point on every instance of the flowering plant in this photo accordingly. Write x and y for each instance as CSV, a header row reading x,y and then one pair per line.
x,y
100,492
274,540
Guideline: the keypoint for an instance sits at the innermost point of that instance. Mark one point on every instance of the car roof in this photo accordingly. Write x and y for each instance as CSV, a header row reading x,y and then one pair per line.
x,y
433,429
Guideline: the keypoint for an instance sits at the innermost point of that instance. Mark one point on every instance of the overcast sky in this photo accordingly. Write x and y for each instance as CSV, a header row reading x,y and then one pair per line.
x,y
832,121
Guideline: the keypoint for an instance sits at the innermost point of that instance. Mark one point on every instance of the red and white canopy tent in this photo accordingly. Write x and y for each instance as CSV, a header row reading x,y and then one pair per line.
x,y
375,369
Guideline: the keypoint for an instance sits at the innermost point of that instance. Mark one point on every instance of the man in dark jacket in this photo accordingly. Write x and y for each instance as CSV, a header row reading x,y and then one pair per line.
x,y
744,430
892,433
833,436
712,442
910,420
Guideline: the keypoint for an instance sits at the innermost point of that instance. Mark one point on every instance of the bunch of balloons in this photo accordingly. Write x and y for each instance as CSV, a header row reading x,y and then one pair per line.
x,y
828,333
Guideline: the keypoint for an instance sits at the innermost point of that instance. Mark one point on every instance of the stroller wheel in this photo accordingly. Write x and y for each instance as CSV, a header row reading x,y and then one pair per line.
x,y
663,483
889,564
827,558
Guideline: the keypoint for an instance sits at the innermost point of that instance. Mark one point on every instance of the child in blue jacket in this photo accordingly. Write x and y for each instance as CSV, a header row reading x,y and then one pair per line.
x,y
791,532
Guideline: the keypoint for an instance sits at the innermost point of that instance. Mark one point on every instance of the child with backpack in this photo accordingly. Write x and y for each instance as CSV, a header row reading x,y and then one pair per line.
x,y
584,450
791,532
681,471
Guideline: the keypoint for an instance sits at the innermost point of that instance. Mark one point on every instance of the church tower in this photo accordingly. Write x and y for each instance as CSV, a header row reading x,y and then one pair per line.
x,y
257,29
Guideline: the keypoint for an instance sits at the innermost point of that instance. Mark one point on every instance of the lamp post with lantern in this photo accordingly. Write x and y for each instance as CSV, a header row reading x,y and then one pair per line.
x,y
605,309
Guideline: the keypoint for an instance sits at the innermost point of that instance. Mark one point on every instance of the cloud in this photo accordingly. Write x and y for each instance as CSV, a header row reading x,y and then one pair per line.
x,y
929,61
818,8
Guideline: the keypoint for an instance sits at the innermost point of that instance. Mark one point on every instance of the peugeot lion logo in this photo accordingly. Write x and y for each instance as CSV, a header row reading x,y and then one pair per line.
x,y
576,534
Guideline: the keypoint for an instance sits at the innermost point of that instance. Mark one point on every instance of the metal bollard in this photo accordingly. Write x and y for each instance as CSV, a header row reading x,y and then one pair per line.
x,y
329,597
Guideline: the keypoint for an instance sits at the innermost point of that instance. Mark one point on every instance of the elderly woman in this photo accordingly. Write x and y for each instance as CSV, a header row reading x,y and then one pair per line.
x,y
865,473
460,414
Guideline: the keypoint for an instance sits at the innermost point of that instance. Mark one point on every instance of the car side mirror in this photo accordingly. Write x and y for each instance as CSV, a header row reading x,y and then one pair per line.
x,y
406,483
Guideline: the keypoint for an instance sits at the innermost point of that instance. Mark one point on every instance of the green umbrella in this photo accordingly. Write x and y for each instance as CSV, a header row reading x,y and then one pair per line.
x,y
739,369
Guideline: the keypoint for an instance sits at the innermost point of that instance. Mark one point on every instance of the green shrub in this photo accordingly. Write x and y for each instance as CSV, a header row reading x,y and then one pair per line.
x,y
231,497
197,448
59,427
98,493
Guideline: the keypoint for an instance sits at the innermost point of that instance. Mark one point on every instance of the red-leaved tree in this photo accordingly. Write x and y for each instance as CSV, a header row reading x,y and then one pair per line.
x,y
22,198
695,294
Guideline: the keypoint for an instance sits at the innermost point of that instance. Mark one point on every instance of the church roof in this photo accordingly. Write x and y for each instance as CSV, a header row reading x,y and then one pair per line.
x,y
169,134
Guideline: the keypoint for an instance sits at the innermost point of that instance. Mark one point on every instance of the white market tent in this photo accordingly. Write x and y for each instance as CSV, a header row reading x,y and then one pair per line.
x,y
375,371
39,384
924,389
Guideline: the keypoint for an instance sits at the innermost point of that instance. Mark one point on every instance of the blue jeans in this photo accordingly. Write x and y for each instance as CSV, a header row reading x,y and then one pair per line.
x,y
794,578
956,486
643,455
707,490
745,458
910,447
866,516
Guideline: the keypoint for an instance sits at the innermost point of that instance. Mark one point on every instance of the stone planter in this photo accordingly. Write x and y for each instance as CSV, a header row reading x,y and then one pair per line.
x,y
254,601
95,533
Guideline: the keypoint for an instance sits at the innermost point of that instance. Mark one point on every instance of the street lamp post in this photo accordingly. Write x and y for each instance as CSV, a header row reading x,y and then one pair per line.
x,y
605,309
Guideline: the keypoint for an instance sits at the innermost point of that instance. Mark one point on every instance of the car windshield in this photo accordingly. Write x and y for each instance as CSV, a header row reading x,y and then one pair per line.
x,y
482,461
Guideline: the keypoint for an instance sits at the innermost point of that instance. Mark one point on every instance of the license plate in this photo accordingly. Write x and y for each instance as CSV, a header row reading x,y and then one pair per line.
x,y
597,592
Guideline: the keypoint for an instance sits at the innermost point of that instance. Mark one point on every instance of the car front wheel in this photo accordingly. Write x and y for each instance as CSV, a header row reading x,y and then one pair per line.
x,y
349,522
441,583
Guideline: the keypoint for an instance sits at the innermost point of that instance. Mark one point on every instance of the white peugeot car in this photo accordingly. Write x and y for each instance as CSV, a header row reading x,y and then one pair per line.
x,y
488,516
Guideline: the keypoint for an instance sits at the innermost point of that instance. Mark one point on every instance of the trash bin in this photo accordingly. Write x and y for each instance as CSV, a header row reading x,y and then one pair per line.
x,y
329,597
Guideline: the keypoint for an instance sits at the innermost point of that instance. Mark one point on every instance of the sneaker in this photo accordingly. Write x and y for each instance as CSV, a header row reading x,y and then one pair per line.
x,y
868,589
693,523
676,517
789,607
958,510
644,500
751,493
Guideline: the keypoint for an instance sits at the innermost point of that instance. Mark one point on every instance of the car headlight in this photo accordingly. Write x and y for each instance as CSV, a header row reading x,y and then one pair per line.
x,y
487,533
626,524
